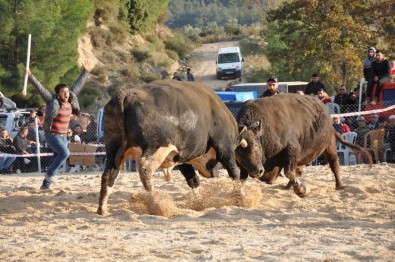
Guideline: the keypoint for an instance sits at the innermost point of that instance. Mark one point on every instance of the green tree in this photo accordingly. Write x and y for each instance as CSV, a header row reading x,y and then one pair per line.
x,y
146,14
328,37
55,27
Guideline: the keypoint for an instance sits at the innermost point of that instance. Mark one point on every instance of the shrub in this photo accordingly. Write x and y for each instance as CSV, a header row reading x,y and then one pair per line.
x,y
140,55
178,43
172,55
150,76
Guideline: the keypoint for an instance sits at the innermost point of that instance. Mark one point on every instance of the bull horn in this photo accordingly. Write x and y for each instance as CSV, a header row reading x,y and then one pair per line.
x,y
253,125
243,143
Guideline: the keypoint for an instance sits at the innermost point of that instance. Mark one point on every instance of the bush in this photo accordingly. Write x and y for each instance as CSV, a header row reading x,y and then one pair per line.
x,y
179,43
150,76
130,72
172,55
232,27
140,55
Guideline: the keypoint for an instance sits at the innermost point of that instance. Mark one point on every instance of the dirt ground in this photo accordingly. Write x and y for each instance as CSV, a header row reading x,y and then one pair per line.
x,y
272,224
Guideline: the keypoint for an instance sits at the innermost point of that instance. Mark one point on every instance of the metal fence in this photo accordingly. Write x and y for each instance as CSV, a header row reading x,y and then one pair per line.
x,y
88,152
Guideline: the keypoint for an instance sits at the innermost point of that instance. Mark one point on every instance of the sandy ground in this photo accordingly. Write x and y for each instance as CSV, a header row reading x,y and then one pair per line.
x,y
272,224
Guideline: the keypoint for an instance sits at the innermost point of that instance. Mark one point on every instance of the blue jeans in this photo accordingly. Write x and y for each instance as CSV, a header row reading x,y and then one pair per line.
x,y
6,162
61,152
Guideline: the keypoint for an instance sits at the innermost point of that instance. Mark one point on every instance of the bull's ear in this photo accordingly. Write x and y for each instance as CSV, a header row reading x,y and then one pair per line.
x,y
253,125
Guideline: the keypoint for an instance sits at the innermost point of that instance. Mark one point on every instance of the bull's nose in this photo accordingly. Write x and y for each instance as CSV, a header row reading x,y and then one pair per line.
x,y
256,174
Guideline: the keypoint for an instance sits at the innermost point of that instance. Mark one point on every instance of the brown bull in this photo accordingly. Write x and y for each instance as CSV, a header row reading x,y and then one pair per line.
x,y
287,131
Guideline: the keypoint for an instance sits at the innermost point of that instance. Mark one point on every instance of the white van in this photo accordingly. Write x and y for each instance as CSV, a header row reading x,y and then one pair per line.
x,y
229,63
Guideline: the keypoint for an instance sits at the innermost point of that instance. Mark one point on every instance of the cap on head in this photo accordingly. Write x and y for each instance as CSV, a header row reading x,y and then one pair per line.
x,y
360,118
272,78
391,117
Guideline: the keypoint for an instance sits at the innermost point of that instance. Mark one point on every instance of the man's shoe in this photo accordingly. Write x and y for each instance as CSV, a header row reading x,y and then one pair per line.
x,y
46,185
49,179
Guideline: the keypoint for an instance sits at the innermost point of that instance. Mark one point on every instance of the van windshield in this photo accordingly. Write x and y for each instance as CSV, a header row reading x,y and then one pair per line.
x,y
3,121
228,58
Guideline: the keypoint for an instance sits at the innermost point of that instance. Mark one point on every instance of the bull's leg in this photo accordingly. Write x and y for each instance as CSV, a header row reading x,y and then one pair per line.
x,y
290,170
331,155
299,172
167,173
149,163
113,166
190,176
107,182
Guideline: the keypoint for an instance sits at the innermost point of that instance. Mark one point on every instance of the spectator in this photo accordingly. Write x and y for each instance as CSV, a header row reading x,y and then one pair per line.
x,y
229,87
91,130
74,121
31,135
21,141
176,77
367,64
323,96
351,122
361,130
71,138
343,99
381,68
271,87
32,115
77,130
314,86
340,126
300,92
57,119
41,116
354,99
190,75
373,123
6,146
390,137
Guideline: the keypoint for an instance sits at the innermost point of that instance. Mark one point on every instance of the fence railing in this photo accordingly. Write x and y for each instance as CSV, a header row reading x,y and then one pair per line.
x,y
88,152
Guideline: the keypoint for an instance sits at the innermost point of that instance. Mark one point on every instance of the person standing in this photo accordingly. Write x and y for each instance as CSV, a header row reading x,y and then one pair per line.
x,y
190,75
381,68
271,87
59,107
314,85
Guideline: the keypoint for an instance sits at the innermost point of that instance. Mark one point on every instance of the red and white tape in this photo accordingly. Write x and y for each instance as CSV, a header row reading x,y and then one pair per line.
x,y
364,112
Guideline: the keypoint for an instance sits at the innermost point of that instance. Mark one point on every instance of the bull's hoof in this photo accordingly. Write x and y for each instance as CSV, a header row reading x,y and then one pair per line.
x,y
300,190
288,186
340,187
101,212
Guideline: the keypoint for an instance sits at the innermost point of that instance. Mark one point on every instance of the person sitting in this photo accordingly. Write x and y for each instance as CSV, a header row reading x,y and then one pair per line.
x,y
6,102
381,68
77,130
374,121
340,126
343,99
367,64
314,85
271,87
6,146
361,130
323,96
390,138
21,143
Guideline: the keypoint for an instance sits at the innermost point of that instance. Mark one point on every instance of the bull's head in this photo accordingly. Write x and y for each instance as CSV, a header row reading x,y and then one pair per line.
x,y
249,153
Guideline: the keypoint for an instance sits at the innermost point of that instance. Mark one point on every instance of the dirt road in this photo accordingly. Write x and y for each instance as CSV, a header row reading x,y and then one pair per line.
x,y
203,64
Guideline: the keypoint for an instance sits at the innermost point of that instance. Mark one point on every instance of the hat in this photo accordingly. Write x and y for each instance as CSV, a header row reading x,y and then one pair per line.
x,y
272,78
342,119
360,118
391,117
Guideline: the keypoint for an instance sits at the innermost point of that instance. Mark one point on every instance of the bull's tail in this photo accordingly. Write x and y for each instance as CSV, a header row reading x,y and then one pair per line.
x,y
355,147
